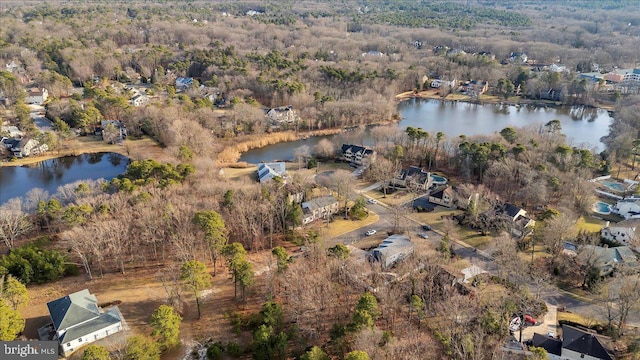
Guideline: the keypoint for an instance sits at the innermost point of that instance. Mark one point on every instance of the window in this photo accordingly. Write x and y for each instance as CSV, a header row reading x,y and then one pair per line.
x,y
79,339
68,344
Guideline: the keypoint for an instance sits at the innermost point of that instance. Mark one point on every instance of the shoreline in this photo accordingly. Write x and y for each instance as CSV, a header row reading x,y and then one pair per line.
x,y
489,100
132,149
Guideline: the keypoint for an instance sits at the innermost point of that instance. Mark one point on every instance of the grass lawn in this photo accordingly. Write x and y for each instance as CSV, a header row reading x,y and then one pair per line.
x,y
341,226
579,319
235,173
473,238
398,197
590,224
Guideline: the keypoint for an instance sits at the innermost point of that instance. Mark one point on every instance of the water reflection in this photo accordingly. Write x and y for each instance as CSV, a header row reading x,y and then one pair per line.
x,y
50,174
581,125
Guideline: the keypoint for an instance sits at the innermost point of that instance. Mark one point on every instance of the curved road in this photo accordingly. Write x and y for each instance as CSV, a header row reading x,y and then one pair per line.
x,y
549,293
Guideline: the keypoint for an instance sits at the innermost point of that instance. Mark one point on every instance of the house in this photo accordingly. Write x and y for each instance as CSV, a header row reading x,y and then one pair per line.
x,y
632,75
413,178
37,96
442,196
454,52
319,208
518,57
356,154
12,66
112,131
558,68
77,320
139,100
607,259
576,344
282,114
475,87
627,208
487,55
438,83
552,94
518,217
12,131
24,147
184,83
267,171
623,232
373,53
391,250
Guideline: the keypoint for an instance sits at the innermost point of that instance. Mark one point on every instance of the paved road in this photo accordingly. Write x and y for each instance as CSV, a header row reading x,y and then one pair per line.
x,y
550,294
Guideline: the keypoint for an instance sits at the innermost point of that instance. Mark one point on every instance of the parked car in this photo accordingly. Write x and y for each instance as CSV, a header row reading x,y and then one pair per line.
x,y
370,232
423,235
426,227
372,201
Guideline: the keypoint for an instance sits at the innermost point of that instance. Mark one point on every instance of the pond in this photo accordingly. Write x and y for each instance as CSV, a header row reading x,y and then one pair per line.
x,y
582,126
50,174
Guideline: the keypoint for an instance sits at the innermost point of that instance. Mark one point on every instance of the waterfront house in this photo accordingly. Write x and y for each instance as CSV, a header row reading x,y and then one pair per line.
x,y
282,114
356,154
268,171
77,320
24,147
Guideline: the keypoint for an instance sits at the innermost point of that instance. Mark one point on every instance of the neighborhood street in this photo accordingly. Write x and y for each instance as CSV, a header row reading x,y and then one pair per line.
x,y
547,292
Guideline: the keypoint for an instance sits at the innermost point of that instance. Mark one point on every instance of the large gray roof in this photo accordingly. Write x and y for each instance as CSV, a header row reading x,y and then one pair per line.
x,y
73,309
112,316
583,342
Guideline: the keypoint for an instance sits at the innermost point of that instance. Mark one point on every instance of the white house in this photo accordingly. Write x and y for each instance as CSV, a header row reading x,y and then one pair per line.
x,y
77,321
356,154
37,96
438,83
24,147
267,171
623,232
139,100
282,114
627,208
319,208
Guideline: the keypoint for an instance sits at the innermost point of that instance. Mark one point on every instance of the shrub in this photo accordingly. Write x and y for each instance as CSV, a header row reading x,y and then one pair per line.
x,y
214,351
31,263
234,349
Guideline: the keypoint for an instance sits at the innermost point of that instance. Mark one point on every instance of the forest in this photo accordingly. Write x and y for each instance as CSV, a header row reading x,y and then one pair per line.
x,y
180,222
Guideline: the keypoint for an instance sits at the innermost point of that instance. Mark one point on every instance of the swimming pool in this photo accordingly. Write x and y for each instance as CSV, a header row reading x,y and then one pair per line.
x,y
438,179
602,208
616,186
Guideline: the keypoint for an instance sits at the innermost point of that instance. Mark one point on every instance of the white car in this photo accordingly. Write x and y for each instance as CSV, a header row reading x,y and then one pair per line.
x,y
370,232
372,201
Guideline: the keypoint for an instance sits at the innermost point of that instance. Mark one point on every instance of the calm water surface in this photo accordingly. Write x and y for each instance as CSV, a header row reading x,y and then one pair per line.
x,y
582,126
50,174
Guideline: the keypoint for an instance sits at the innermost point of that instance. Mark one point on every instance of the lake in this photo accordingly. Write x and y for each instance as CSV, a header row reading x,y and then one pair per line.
x,y
50,174
583,126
